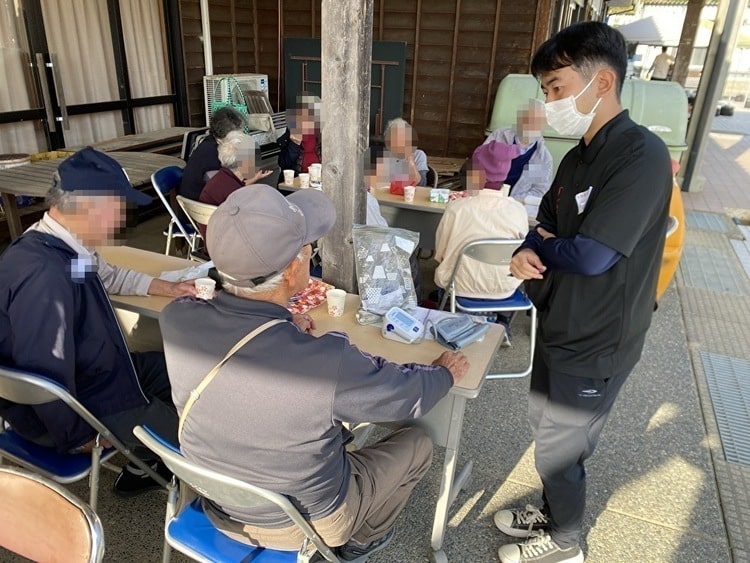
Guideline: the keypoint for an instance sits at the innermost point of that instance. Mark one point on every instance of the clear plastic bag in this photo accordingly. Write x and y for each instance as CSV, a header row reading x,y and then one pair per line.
x,y
383,271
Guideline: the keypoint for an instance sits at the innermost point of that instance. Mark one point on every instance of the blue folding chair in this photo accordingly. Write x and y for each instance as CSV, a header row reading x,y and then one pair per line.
x,y
26,388
165,181
189,530
497,252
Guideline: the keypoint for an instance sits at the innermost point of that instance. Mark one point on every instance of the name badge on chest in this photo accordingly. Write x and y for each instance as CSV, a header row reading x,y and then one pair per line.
x,y
582,199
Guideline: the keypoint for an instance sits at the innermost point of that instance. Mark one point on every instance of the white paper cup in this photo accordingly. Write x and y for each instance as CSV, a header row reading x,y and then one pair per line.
x,y
289,177
205,288
304,180
316,171
336,302
409,192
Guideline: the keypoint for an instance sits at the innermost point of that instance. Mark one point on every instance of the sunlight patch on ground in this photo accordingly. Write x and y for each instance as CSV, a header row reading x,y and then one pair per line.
x,y
667,493
665,414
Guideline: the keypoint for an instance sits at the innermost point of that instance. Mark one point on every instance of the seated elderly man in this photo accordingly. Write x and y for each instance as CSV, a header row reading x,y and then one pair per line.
x,y
273,415
487,214
56,318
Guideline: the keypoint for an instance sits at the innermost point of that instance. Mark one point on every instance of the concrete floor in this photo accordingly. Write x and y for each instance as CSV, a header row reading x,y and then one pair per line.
x,y
660,487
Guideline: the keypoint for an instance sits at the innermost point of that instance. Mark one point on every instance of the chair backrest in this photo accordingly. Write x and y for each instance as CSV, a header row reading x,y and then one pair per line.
x,y
165,181
27,388
192,139
223,489
197,212
43,521
494,251
432,177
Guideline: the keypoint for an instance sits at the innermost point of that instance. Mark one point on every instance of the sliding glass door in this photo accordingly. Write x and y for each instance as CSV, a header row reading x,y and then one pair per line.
x,y
81,71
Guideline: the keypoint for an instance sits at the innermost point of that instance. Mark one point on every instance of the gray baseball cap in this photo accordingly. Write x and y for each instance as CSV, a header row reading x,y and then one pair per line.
x,y
257,232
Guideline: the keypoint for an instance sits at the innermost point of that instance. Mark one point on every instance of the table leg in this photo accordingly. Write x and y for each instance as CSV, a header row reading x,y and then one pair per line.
x,y
449,488
11,215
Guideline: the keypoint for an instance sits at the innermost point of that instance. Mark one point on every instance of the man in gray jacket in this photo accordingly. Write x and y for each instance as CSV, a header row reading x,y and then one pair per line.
x,y
273,415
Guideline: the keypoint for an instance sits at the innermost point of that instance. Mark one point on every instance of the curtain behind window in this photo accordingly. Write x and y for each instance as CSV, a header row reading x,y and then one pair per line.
x,y
15,137
145,48
78,33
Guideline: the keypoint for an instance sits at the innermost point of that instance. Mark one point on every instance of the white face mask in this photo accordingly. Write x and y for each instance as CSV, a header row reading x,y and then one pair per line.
x,y
563,115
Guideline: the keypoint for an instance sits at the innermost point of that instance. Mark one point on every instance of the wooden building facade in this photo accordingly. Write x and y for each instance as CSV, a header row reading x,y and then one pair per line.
x,y
457,51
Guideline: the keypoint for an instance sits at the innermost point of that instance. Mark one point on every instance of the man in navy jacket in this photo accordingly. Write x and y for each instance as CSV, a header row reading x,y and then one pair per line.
x,y
56,318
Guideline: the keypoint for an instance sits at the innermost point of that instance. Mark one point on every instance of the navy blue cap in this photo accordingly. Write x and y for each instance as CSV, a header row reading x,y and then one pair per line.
x,y
90,170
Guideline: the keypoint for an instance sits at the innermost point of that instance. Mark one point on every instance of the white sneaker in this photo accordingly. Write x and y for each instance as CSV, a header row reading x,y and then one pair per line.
x,y
540,548
521,522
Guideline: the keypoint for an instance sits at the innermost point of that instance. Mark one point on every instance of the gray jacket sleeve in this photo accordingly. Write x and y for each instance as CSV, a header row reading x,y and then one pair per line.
x,y
371,389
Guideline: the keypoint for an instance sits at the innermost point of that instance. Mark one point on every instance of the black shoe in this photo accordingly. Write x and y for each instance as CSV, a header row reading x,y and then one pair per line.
x,y
505,320
133,481
355,553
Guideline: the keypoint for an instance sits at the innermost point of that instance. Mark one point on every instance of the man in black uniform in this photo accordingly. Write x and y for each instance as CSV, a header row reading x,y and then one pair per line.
x,y
593,263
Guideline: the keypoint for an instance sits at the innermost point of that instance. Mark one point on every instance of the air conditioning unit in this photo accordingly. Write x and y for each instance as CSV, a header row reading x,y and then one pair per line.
x,y
249,90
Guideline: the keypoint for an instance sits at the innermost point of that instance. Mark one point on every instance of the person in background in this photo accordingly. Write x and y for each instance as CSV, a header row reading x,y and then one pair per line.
x,y
662,63
523,154
243,425
591,266
237,155
487,213
300,146
402,161
205,157
56,319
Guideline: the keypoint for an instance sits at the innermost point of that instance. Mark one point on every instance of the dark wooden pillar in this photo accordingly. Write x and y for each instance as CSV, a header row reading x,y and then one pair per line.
x,y
687,38
346,58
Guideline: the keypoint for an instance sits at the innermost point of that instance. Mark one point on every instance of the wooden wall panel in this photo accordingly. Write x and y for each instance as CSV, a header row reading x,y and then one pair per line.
x,y
456,53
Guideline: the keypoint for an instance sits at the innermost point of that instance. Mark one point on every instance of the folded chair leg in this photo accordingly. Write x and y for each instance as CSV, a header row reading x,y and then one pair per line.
x,y
172,489
96,457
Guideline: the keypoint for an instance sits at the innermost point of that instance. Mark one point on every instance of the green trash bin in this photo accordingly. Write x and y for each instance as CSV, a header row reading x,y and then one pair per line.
x,y
660,106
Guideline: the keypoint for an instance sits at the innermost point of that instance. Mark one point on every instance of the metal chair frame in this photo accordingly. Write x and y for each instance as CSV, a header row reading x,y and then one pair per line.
x,y
497,252
165,181
93,529
198,213
190,140
223,490
26,388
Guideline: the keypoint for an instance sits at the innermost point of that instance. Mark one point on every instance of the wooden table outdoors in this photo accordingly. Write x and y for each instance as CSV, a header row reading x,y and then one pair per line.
x,y
421,215
443,423
141,141
35,179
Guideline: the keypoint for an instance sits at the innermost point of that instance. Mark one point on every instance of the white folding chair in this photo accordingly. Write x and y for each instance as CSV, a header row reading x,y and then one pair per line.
x,y
42,521
198,213
26,388
497,252
189,530
165,181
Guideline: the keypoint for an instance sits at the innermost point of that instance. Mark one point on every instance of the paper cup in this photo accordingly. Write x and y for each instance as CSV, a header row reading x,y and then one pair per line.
x,y
205,288
289,177
336,302
316,171
304,180
409,192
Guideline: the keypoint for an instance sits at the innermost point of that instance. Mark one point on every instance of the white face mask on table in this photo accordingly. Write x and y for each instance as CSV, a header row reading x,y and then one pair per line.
x,y
563,115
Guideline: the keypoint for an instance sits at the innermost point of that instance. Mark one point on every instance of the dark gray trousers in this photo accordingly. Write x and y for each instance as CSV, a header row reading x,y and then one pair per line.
x,y
159,415
567,414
